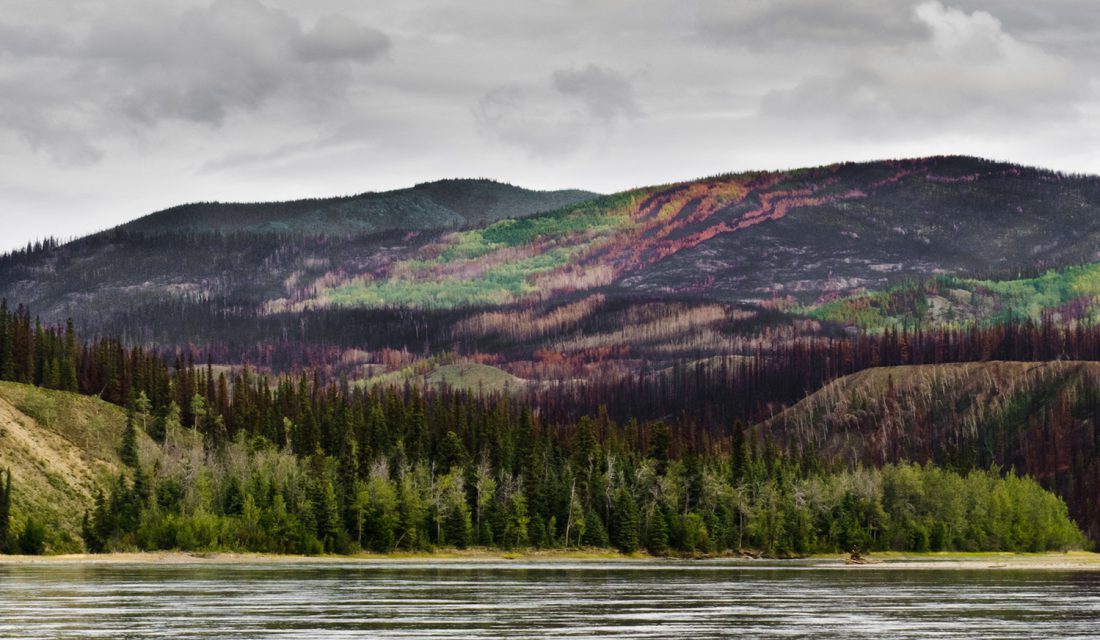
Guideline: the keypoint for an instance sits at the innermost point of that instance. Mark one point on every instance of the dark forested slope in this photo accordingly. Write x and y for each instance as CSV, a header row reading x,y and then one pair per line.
x,y
430,205
809,235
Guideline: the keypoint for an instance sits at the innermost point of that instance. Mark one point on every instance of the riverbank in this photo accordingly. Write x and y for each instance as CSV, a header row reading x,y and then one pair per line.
x,y
1069,561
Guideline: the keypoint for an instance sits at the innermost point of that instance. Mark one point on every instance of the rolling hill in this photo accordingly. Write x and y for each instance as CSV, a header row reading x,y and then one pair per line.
x,y
809,234
430,205
1041,418
653,275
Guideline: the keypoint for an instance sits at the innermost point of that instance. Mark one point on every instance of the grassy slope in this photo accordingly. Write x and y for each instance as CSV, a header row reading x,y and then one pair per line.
x,y
475,377
494,265
470,376
61,448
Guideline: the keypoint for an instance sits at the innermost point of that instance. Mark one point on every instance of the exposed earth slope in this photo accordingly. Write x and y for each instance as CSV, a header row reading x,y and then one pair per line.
x,y
62,448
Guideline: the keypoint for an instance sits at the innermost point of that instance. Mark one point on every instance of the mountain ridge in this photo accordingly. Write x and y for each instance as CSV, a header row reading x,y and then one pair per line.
x,y
427,205
691,270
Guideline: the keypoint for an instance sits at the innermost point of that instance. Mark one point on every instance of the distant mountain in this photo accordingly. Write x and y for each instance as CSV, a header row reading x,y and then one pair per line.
x,y
809,235
429,205
816,233
686,270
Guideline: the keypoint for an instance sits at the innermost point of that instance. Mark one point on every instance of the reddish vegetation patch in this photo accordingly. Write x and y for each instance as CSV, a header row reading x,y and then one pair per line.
x,y
684,216
687,215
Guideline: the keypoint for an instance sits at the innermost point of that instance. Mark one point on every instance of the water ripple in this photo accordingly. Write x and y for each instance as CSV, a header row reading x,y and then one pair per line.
x,y
538,601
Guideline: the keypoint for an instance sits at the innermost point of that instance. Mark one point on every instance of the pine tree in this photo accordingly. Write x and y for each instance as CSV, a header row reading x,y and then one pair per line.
x,y
657,540
659,443
452,453
5,509
128,452
32,541
626,522
330,530
738,453
595,534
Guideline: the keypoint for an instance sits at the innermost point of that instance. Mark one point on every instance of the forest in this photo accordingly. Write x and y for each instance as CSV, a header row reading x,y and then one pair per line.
x,y
236,459
258,498
31,540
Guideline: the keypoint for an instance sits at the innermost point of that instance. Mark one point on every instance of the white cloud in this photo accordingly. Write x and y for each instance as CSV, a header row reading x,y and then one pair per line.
x,y
966,72
137,64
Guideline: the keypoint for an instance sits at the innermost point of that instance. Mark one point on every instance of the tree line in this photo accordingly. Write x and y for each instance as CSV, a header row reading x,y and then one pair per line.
x,y
251,497
31,540
348,466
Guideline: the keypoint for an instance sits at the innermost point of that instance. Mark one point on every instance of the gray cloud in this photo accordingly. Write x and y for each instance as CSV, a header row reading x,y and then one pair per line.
x,y
560,116
144,63
112,108
965,69
804,23
337,38
606,94
854,24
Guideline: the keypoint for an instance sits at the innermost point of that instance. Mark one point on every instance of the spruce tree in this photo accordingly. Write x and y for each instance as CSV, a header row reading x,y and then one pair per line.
x,y
739,453
595,535
659,444
5,509
32,541
626,522
657,540
128,452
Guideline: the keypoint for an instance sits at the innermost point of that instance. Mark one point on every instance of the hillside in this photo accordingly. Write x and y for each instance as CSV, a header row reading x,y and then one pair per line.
x,y
1067,294
650,276
61,448
1043,419
748,237
431,205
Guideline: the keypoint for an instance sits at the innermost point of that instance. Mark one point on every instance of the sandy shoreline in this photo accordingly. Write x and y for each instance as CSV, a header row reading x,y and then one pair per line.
x,y
1072,561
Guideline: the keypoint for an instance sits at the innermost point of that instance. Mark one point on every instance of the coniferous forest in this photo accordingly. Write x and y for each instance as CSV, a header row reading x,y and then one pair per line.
x,y
714,319
666,463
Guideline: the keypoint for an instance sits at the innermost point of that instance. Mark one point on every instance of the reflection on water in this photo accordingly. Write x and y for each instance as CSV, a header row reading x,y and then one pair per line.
x,y
675,600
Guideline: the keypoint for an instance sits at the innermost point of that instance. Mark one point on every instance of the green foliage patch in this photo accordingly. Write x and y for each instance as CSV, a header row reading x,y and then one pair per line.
x,y
982,300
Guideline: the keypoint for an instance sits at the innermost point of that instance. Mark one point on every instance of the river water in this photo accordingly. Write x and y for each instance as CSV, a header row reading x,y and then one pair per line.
x,y
531,600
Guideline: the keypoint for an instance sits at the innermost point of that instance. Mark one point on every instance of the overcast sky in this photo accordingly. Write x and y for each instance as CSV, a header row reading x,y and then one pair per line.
x,y
110,109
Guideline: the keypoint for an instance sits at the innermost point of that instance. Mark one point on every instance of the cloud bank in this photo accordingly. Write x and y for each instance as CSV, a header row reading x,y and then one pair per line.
x,y
112,108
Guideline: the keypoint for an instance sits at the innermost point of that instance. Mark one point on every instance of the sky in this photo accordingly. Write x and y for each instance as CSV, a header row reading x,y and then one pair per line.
x,y
112,109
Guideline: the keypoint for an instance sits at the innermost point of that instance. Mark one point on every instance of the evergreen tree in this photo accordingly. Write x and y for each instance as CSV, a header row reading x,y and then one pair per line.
x,y
452,453
128,451
5,509
595,534
659,444
739,453
626,522
32,541
657,541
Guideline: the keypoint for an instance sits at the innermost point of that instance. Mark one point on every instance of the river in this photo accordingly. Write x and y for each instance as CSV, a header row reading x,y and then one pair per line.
x,y
551,600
